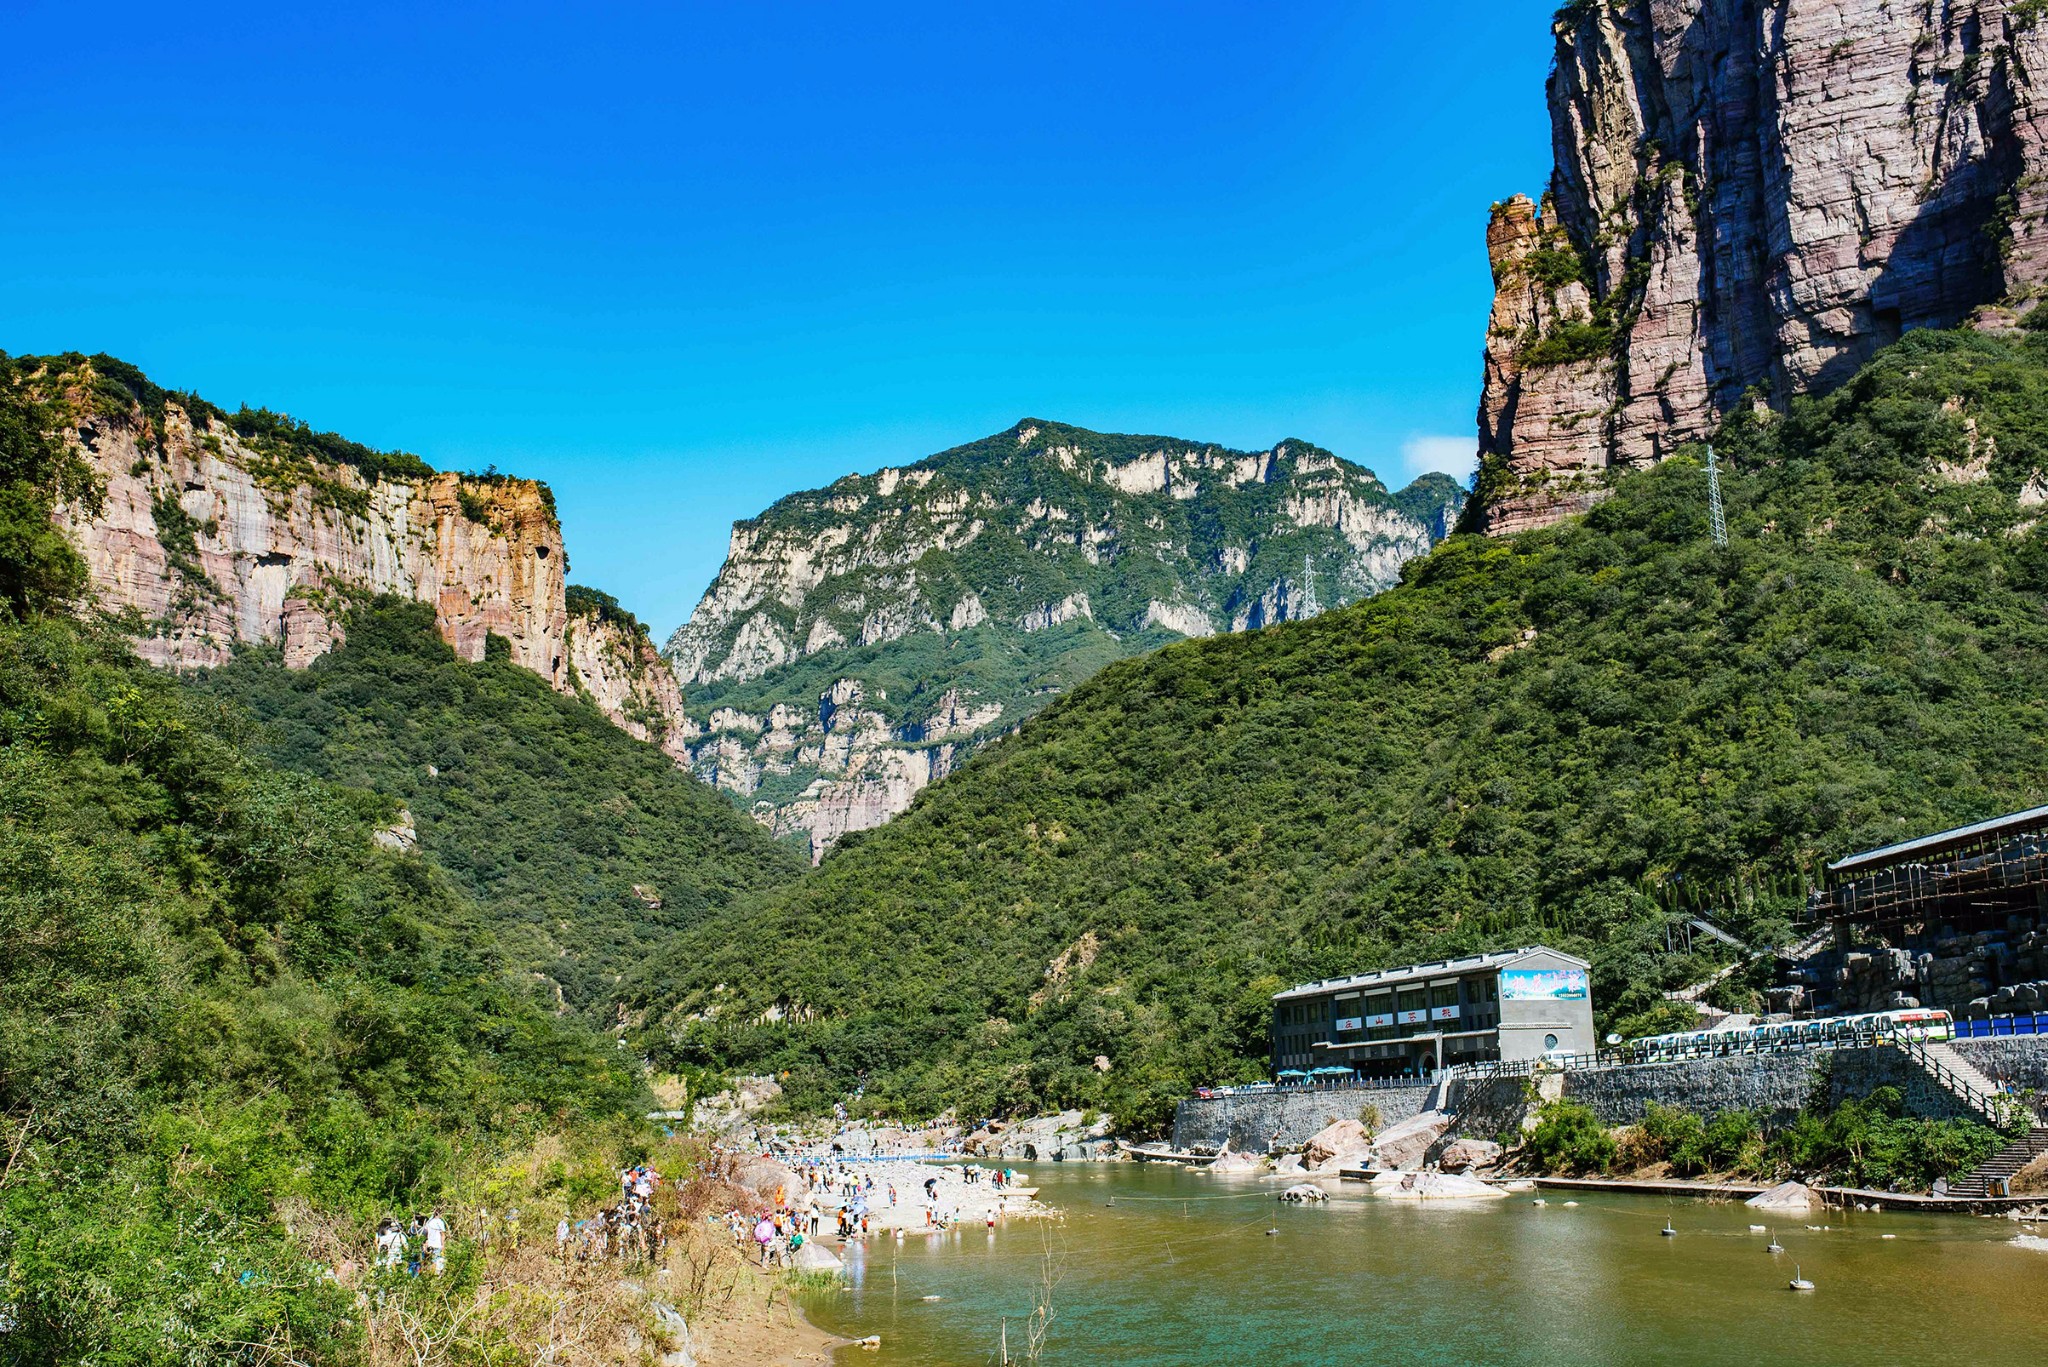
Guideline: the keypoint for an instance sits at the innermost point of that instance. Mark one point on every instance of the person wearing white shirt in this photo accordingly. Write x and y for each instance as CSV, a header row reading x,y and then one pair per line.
x,y
437,1240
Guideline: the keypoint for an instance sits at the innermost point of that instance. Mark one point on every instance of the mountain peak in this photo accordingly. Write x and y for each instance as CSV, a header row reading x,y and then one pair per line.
x,y
862,639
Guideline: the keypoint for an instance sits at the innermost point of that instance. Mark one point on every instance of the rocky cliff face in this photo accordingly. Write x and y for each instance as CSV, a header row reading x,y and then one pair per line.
x,y
613,662
1749,199
861,639
215,530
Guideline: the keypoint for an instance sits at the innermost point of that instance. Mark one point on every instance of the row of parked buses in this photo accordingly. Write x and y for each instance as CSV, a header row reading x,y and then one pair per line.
x,y
1916,1023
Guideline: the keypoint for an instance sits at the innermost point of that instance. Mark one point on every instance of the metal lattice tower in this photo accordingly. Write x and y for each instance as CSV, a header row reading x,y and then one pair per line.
x,y
1714,514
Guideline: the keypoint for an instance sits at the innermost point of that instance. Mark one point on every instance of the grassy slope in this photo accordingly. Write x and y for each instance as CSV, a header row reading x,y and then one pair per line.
x,y
1418,774
541,809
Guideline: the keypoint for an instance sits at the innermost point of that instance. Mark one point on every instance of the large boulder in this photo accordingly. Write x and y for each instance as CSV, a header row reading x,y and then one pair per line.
x,y
1236,1162
1405,1145
815,1257
855,1142
1290,1163
1793,1198
1434,1186
1337,1137
764,1176
1467,1154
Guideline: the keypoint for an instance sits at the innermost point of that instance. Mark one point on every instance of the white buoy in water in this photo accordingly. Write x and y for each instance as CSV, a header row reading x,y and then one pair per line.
x,y
1887,1236
1668,1232
1756,1229
1774,1246
1570,1205
1799,1282
1539,1201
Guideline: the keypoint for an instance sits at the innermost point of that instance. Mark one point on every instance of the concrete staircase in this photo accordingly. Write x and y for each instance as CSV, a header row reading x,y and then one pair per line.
x,y
1989,1177
1961,1079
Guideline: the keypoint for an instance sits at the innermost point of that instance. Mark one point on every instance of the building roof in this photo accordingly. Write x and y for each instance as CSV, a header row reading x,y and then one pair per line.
x,y
1941,842
1442,968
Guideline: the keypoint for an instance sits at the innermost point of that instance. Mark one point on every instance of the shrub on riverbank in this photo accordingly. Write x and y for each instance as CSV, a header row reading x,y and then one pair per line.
x,y
1869,1142
1569,1139
1874,1143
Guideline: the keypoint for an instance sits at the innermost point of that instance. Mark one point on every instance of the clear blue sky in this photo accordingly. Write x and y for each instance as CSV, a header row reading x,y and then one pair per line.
x,y
680,260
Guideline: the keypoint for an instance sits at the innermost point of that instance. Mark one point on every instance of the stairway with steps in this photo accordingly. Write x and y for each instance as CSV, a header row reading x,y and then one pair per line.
x,y
1988,1178
1961,1079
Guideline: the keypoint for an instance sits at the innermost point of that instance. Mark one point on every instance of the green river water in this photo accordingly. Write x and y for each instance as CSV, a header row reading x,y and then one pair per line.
x,y
1180,1271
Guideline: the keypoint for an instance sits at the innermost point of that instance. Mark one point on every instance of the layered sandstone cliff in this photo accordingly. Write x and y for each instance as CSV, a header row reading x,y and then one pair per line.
x,y
213,531
1749,199
614,663
861,640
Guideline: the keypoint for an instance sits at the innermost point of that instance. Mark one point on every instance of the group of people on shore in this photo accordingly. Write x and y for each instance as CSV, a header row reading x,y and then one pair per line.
x,y
630,1229
778,1235
412,1245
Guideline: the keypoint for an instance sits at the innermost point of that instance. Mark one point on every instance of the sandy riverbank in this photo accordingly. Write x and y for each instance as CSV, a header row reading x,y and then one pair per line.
x,y
896,1197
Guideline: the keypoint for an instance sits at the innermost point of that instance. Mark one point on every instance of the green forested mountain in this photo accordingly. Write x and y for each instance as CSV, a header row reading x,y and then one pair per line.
x,y
583,847
226,1015
1564,735
861,638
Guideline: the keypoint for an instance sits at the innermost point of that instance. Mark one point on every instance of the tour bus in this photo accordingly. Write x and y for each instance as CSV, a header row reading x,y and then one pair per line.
x,y
1915,1023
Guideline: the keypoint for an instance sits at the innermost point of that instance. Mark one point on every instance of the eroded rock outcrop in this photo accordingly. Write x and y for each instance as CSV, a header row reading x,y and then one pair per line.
x,y
614,663
861,640
211,531
212,540
1749,199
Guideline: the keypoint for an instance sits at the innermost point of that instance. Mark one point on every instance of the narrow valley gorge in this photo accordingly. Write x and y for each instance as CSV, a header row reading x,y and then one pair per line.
x,y
858,644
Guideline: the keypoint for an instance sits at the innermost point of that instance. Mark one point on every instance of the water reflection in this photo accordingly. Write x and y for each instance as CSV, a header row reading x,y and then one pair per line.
x,y
1180,1270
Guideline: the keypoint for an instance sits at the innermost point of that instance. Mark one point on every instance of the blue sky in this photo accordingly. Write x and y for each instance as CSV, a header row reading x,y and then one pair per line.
x,y
680,260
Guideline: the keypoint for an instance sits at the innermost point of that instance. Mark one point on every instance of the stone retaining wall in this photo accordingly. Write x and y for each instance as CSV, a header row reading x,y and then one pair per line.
x,y
1284,1120
1776,1086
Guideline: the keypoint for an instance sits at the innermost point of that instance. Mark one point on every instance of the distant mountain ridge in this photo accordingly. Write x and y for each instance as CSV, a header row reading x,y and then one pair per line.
x,y
862,638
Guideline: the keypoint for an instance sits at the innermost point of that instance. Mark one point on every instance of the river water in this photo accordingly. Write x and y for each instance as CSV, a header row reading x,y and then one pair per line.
x,y
1180,1270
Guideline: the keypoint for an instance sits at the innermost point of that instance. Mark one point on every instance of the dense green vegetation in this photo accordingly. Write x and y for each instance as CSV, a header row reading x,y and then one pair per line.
x,y
38,568
589,602
585,848
226,1016
1866,1142
1569,736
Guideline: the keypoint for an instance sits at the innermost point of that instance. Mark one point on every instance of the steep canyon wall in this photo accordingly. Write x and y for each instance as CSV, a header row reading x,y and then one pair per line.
x,y
1749,199
204,537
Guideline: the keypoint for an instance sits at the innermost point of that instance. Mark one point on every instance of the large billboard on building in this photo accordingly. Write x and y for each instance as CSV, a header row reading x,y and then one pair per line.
x,y
1543,984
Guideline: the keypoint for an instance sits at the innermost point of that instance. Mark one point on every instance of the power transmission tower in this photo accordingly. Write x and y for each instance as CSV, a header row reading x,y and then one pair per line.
x,y
1714,514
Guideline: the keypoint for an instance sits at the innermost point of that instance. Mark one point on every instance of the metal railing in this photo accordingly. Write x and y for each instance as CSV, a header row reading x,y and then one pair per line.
x,y
1352,1084
1993,1106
